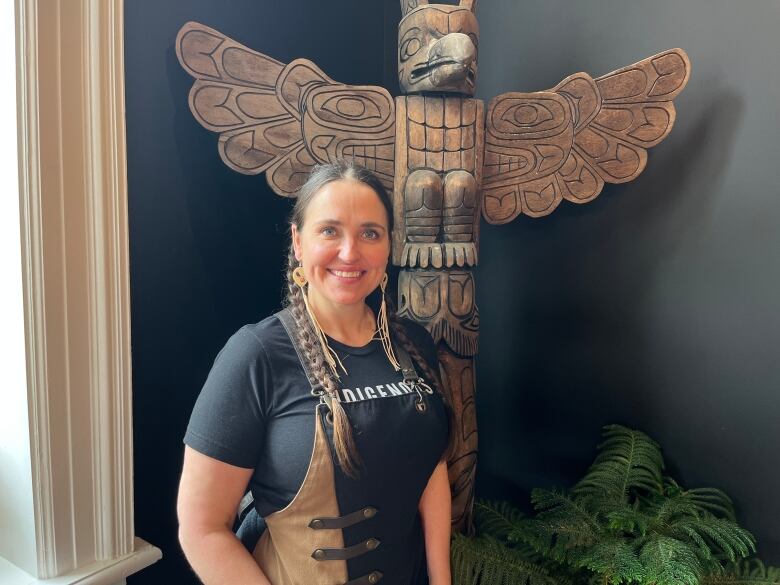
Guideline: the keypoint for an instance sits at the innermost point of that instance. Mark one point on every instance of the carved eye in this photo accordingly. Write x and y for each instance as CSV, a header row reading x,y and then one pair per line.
x,y
352,106
410,48
410,44
527,115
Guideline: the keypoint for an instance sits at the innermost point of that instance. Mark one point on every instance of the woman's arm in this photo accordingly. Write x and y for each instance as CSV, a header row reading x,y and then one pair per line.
x,y
436,513
209,494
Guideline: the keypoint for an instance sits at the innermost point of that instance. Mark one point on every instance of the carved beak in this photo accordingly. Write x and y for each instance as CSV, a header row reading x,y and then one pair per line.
x,y
451,62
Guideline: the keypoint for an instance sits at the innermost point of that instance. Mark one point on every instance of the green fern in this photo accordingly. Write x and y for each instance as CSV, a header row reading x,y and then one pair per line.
x,y
711,500
505,523
497,519
614,560
623,523
714,533
628,461
486,561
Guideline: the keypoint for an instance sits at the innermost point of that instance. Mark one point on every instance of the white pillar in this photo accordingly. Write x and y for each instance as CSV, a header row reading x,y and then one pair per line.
x,y
17,522
71,455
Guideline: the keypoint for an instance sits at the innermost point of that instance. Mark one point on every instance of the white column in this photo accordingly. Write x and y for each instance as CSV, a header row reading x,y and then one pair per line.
x,y
75,283
17,525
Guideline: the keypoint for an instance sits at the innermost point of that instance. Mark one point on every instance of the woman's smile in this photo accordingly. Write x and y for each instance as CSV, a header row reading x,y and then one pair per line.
x,y
348,275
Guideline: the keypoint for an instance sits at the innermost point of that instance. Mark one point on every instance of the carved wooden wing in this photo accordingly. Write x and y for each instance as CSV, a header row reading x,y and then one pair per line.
x,y
283,119
567,142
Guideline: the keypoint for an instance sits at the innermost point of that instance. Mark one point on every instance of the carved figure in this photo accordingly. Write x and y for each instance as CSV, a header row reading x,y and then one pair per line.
x,y
445,159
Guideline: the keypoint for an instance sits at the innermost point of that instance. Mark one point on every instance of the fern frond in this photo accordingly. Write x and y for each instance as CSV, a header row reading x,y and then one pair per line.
x,y
485,561
719,533
664,511
668,561
498,519
628,520
504,522
714,501
562,526
711,500
615,560
549,503
627,461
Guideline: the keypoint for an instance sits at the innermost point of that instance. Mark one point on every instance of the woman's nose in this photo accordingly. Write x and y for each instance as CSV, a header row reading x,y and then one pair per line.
x,y
349,251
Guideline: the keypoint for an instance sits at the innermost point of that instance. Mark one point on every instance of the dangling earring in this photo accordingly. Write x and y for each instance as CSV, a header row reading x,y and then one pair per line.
x,y
384,327
299,277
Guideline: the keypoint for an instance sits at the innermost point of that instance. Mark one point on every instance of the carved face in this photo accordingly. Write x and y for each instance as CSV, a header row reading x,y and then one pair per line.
x,y
437,50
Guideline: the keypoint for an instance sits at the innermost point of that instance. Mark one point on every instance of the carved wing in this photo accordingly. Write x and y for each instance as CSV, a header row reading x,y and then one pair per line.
x,y
283,119
567,142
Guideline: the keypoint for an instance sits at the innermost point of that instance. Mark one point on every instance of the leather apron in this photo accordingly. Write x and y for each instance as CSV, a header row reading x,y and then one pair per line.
x,y
304,542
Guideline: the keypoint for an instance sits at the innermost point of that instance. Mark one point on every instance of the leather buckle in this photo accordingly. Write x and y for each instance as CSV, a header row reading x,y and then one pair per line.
x,y
369,579
344,521
344,554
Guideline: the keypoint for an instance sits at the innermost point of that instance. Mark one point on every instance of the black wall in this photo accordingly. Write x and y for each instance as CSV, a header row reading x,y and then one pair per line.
x,y
653,306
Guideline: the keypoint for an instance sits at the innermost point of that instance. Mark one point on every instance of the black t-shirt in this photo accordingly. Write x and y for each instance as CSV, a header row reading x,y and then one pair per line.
x,y
256,409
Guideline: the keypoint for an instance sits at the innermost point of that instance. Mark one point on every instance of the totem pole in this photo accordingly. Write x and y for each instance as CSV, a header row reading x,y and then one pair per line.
x,y
444,159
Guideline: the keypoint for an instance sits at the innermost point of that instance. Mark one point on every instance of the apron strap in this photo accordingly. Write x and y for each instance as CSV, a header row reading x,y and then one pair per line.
x,y
346,553
411,378
370,579
344,521
405,361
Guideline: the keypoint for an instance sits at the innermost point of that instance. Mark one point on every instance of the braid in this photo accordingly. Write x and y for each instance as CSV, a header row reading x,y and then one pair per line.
x,y
344,442
431,377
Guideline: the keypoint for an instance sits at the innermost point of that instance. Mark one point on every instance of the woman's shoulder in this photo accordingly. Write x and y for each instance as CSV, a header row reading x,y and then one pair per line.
x,y
264,336
265,330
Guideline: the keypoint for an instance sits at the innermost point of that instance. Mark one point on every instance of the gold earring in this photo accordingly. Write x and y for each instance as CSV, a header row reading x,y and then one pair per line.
x,y
299,276
384,327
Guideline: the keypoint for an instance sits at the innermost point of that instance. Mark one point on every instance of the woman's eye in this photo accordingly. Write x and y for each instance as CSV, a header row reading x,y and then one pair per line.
x,y
328,231
371,234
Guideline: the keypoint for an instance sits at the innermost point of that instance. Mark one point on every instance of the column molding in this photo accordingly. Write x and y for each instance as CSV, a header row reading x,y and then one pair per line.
x,y
74,226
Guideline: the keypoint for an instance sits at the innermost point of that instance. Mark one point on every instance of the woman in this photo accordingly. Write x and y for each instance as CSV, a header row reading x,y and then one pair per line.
x,y
330,411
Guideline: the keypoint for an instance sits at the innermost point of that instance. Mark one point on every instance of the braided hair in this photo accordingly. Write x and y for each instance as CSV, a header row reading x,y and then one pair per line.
x,y
347,455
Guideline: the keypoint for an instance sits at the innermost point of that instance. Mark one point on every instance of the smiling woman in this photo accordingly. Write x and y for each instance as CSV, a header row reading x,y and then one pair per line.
x,y
331,373
342,241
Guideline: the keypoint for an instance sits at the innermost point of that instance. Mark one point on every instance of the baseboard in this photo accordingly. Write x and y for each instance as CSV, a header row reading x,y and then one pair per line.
x,y
113,572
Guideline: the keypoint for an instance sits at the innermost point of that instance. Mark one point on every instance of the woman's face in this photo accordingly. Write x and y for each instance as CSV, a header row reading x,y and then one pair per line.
x,y
344,243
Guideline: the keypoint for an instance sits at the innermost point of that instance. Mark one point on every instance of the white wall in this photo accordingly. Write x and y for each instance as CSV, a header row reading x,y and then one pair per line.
x,y
17,529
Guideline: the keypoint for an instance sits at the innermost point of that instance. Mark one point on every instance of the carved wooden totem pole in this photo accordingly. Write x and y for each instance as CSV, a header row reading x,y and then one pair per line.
x,y
444,159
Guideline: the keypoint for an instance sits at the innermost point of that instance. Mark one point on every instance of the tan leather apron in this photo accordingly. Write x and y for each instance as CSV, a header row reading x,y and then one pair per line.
x,y
303,543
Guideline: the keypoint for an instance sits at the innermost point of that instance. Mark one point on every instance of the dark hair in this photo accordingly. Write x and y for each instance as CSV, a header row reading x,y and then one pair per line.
x,y
339,170
344,443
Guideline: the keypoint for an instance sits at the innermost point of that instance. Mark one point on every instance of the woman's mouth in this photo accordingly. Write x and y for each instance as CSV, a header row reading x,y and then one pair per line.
x,y
346,274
